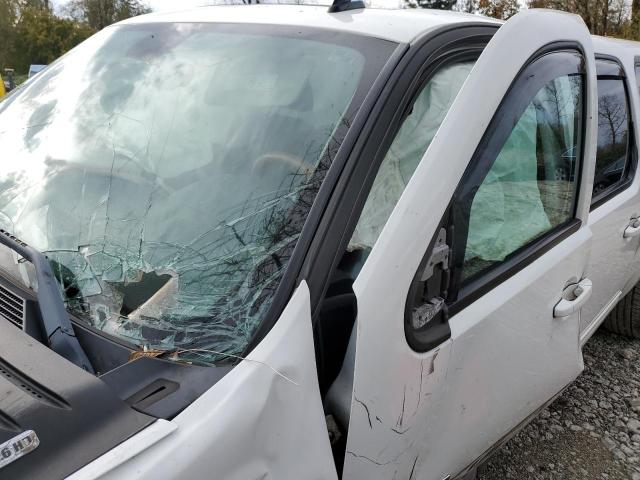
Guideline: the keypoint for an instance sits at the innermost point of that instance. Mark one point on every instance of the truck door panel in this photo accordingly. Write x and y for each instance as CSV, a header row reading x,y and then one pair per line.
x,y
616,195
429,412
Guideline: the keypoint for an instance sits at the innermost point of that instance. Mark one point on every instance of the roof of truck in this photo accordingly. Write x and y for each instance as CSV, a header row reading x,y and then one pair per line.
x,y
615,46
400,25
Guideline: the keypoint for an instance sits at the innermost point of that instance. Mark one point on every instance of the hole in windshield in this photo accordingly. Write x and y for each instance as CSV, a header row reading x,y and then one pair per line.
x,y
167,171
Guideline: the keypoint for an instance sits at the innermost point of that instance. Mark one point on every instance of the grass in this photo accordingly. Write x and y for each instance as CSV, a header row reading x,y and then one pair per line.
x,y
20,79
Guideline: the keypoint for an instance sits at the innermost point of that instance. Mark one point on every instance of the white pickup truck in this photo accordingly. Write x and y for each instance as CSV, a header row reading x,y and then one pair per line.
x,y
292,242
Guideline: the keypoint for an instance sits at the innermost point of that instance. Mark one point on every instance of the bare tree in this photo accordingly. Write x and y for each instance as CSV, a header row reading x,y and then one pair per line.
x,y
602,17
611,115
502,9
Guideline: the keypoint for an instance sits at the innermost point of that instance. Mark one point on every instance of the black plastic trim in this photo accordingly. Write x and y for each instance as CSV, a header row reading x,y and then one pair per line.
x,y
131,380
611,68
437,330
614,190
30,386
74,414
54,320
345,5
111,357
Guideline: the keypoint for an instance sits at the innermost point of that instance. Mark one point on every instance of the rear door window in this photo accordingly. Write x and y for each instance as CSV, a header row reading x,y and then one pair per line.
x,y
613,155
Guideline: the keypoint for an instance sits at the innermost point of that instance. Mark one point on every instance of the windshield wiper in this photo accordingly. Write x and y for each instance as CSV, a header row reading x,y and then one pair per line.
x,y
53,315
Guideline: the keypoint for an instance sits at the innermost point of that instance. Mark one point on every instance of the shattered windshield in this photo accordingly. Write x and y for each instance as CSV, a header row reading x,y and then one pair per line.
x,y
166,170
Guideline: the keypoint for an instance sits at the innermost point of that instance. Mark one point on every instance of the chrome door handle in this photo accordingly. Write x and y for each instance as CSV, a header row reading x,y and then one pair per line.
x,y
573,297
633,229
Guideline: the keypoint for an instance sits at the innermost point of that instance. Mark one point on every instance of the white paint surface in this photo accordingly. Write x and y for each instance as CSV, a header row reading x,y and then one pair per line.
x,y
252,424
412,415
430,415
614,259
396,25
129,449
173,5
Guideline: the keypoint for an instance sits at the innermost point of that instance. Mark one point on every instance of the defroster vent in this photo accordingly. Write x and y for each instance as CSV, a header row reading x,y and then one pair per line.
x,y
11,307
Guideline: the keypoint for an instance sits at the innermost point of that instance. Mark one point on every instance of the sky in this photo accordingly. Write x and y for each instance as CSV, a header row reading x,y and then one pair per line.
x,y
160,5
164,5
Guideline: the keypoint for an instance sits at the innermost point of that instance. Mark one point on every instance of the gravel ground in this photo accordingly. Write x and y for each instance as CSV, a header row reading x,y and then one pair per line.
x,y
591,432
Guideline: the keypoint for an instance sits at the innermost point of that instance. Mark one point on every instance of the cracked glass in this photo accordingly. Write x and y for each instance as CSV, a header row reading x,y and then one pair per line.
x,y
166,170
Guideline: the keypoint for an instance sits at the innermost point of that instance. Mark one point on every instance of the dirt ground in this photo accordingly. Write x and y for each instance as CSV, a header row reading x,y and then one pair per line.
x,y
591,432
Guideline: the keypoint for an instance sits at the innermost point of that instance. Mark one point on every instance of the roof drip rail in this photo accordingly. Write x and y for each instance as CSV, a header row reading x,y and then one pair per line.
x,y
345,5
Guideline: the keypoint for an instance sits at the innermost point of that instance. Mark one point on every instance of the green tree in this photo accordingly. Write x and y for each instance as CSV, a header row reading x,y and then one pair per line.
x,y
602,17
634,27
8,18
40,37
102,13
502,9
38,4
30,32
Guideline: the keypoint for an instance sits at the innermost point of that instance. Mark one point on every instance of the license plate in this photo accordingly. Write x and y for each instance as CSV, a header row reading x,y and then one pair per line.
x,y
17,447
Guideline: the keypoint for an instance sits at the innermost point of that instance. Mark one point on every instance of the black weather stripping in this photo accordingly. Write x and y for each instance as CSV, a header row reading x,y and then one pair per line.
x,y
53,315
344,5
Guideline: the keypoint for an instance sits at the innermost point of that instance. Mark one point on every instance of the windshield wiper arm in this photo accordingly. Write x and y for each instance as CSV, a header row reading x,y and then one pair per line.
x,y
53,315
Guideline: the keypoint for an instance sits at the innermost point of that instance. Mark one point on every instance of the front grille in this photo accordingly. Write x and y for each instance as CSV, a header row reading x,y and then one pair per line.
x,y
11,307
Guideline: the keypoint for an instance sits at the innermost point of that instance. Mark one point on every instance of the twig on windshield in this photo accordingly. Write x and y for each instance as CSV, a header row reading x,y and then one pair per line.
x,y
196,350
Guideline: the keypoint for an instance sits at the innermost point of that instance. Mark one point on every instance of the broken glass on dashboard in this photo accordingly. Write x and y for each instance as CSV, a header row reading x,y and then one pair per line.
x,y
167,170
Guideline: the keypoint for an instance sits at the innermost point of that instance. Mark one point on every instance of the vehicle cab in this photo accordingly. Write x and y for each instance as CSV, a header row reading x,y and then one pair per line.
x,y
298,242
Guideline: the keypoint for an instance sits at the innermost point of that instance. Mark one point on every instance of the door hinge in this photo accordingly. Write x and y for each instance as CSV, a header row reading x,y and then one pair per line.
x,y
439,256
434,304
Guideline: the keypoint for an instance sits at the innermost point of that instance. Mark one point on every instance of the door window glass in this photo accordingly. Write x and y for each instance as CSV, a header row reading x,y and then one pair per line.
x,y
613,136
527,184
406,151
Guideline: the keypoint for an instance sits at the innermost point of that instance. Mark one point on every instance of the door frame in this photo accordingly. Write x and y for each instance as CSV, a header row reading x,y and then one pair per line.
x,y
408,208
422,59
463,296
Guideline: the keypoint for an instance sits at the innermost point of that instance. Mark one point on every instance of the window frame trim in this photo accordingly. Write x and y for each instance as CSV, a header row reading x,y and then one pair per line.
x,y
295,272
631,160
636,73
356,179
427,72
461,296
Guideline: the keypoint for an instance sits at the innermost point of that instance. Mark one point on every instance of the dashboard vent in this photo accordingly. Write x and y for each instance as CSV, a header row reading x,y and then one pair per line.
x,y
11,307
